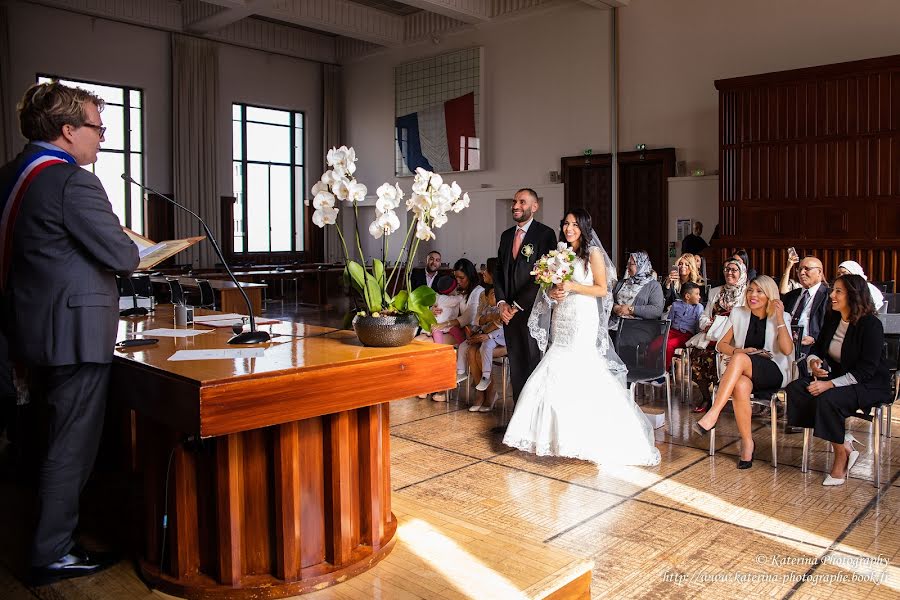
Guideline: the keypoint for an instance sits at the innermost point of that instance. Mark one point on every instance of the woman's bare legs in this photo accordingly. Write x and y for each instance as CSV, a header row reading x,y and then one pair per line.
x,y
739,366
742,414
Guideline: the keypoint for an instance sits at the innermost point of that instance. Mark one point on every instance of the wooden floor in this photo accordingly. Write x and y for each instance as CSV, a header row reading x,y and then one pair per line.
x,y
694,526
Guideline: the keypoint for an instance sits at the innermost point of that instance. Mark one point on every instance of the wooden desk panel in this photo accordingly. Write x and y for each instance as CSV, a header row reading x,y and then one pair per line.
x,y
290,492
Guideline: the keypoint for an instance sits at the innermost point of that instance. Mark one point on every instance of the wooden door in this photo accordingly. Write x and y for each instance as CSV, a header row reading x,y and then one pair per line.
x,y
588,184
644,205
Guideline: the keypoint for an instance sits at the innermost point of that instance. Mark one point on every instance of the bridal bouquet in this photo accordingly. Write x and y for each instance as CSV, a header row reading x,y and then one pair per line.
x,y
428,207
554,267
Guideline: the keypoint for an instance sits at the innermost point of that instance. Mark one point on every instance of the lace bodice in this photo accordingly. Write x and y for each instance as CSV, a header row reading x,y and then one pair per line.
x,y
575,319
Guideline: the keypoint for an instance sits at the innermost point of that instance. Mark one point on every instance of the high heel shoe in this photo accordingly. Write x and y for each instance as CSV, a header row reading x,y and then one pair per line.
x,y
746,464
854,453
491,407
476,407
699,429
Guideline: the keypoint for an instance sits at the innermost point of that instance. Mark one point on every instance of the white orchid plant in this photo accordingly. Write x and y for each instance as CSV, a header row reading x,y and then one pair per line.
x,y
429,204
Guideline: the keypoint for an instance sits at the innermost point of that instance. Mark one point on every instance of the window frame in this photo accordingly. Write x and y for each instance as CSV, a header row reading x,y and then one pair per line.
x,y
298,233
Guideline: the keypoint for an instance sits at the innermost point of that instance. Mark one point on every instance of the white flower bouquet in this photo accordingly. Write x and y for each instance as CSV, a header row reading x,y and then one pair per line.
x,y
554,267
429,204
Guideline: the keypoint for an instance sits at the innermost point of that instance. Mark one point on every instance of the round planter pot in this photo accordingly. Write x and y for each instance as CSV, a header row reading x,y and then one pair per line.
x,y
386,331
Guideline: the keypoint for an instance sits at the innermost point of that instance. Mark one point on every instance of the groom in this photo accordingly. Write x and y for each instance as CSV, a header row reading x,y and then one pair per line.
x,y
514,285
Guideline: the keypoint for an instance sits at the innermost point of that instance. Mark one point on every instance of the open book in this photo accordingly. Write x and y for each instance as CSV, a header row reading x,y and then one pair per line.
x,y
152,253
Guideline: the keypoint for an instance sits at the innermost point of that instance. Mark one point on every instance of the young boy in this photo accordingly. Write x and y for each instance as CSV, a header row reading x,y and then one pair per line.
x,y
685,317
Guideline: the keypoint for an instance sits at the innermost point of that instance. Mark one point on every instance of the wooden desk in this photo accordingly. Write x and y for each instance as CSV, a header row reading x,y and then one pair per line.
x,y
230,299
311,284
292,492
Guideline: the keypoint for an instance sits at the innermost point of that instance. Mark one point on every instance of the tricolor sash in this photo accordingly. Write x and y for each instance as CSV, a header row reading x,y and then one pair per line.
x,y
12,200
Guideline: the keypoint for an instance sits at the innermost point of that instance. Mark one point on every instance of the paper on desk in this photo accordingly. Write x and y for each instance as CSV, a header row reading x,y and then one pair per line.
x,y
146,251
217,317
223,353
176,333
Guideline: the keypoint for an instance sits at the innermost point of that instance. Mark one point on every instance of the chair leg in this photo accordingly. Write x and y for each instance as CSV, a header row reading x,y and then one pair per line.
x,y
887,421
686,378
712,432
804,462
774,416
669,401
877,442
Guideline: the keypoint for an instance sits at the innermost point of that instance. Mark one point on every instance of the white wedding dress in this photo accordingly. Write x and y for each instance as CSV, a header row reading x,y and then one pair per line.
x,y
573,405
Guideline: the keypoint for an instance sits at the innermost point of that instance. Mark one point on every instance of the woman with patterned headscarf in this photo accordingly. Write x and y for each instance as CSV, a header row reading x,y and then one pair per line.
x,y
721,300
638,295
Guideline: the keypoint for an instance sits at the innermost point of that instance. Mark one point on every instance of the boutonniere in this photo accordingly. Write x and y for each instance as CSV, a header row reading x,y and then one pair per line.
x,y
528,252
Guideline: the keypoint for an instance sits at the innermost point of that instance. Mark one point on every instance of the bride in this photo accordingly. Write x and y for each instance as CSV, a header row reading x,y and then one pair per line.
x,y
575,403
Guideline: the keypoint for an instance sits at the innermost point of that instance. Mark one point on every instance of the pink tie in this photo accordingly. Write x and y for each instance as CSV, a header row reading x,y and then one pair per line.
x,y
517,243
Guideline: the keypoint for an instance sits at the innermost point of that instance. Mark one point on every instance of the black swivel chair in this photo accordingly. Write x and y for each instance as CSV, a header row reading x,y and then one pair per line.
x,y
176,291
641,344
207,296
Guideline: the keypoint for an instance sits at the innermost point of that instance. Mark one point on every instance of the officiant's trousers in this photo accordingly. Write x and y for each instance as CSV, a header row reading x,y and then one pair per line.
x,y
69,406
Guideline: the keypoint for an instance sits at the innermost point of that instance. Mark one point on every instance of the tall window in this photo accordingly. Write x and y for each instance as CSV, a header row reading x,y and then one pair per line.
x,y
122,150
268,179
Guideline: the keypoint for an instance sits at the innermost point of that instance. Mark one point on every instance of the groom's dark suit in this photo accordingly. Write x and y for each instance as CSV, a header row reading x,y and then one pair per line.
x,y
514,283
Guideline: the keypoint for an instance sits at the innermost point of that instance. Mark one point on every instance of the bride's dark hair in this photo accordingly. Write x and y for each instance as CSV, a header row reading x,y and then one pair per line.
x,y
583,220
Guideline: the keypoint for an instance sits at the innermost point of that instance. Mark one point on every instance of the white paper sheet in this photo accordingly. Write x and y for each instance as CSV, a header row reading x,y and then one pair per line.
x,y
176,333
223,353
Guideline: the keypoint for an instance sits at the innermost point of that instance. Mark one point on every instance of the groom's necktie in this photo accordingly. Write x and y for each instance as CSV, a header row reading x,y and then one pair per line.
x,y
517,242
801,306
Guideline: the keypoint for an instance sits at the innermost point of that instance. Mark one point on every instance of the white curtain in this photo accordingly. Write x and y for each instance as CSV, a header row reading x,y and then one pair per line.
x,y
195,86
7,121
332,136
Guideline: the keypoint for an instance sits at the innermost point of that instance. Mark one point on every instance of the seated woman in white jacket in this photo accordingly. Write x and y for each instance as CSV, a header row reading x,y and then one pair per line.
x,y
759,345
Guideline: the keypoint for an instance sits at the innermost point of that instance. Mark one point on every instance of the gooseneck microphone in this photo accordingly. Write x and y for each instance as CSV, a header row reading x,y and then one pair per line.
x,y
247,337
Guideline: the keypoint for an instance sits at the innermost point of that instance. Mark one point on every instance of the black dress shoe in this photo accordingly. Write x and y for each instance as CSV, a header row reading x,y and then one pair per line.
x,y
77,563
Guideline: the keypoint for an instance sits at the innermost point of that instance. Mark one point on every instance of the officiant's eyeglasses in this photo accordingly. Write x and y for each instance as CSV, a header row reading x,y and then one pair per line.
x,y
100,129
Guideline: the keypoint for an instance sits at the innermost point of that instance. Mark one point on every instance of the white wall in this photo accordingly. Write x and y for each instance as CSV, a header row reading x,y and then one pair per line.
x,y
695,198
546,95
55,42
673,51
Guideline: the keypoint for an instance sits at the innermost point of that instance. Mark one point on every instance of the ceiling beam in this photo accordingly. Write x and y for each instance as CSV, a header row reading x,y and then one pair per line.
x,y
468,11
334,16
225,17
607,4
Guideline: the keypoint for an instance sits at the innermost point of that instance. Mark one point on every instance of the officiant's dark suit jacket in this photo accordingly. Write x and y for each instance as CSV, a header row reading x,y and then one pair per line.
x,y
513,282
61,305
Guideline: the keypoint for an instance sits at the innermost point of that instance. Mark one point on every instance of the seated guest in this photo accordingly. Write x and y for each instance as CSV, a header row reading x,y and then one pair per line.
x,y
470,291
446,308
685,270
470,351
758,342
685,317
487,273
847,370
808,304
693,243
429,275
722,300
851,267
638,295
741,255
489,336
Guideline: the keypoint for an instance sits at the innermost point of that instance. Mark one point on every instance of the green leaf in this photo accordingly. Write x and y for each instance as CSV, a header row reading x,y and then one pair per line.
x,y
366,285
419,302
379,274
400,300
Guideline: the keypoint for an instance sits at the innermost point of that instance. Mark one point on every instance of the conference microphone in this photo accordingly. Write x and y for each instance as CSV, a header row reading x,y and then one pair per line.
x,y
136,311
247,337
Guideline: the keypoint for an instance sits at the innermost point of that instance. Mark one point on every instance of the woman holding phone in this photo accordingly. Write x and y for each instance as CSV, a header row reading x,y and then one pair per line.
x,y
848,373
758,349
683,271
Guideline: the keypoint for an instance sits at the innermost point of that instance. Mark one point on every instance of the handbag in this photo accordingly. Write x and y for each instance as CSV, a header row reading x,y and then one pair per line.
x,y
718,328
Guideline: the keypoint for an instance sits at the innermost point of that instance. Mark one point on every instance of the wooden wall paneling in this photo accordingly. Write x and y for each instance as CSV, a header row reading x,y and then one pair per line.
x,y
229,473
372,475
288,521
337,491
257,502
184,541
312,490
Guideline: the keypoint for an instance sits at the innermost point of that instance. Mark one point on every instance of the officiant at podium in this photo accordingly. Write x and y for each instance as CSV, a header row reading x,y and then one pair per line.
x,y
61,246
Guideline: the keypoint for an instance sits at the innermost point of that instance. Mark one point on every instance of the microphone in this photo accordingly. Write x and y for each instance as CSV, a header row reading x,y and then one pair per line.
x,y
136,311
247,337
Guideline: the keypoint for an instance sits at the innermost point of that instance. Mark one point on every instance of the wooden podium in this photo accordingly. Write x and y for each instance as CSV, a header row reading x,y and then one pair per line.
x,y
277,469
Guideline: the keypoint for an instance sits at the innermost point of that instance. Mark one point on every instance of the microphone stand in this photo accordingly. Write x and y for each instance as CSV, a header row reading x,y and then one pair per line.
x,y
136,311
247,337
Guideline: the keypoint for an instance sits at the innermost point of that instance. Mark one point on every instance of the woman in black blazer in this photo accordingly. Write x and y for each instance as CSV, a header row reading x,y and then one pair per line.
x,y
850,344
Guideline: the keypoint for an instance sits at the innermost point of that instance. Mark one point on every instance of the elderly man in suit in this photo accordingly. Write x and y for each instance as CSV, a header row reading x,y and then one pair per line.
x,y
61,248
515,287
808,304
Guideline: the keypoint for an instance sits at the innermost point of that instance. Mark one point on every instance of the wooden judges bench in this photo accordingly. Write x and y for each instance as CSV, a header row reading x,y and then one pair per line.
x,y
277,468
230,299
